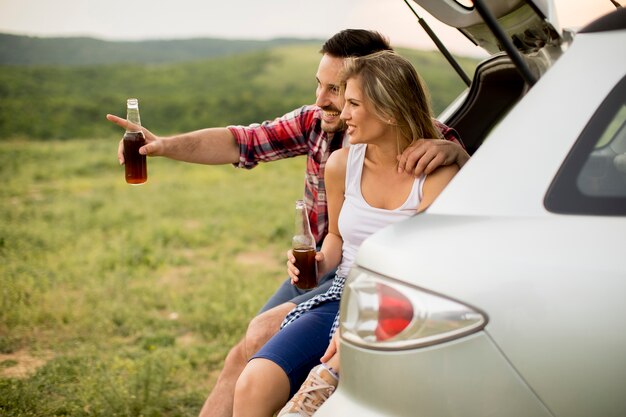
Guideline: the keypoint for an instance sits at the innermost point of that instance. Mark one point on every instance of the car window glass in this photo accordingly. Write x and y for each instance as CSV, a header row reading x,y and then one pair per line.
x,y
592,179
604,172
611,131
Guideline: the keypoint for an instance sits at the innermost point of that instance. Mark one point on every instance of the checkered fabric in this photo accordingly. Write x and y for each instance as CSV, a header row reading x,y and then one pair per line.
x,y
332,294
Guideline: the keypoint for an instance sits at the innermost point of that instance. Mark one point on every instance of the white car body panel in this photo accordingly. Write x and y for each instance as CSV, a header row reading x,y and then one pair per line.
x,y
552,285
519,281
557,123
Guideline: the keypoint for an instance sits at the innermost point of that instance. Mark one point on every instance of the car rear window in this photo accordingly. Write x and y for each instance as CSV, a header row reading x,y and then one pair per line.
x,y
592,179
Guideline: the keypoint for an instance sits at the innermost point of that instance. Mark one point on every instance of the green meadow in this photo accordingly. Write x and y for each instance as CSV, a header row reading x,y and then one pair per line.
x,y
119,300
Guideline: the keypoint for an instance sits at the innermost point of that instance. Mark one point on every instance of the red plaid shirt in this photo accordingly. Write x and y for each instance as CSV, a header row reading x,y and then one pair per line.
x,y
300,133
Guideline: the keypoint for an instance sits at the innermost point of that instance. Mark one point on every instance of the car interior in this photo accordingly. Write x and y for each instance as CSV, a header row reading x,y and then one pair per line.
x,y
502,79
496,86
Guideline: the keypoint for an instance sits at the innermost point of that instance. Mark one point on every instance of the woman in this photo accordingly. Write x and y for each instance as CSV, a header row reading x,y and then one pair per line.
x,y
386,105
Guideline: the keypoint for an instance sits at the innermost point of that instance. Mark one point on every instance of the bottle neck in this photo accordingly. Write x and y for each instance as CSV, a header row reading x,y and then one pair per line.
x,y
303,238
301,225
132,116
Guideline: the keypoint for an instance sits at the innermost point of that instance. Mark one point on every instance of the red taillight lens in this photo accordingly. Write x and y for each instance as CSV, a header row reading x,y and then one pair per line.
x,y
395,312
382,313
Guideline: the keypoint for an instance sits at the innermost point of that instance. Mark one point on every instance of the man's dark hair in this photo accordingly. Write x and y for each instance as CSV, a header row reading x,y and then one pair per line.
x,y
355,43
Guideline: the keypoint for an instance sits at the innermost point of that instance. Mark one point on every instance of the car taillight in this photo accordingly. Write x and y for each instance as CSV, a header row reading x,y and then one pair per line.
x,y
382,313
395,312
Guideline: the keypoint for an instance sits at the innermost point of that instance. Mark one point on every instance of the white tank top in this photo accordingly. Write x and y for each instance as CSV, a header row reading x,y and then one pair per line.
x,y
357,219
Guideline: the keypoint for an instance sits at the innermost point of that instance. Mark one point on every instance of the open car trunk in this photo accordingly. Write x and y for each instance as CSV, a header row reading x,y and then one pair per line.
x,y
525,44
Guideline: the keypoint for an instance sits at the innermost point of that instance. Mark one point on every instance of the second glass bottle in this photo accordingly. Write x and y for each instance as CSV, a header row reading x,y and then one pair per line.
x,y
303,248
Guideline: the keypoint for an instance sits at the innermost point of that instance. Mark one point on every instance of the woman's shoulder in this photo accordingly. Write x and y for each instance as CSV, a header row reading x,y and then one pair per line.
x,y
444,171
338,158
435,182
439,178
336,164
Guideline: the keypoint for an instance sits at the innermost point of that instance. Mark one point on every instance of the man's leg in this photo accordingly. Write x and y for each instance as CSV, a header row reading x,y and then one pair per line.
x,y
260,330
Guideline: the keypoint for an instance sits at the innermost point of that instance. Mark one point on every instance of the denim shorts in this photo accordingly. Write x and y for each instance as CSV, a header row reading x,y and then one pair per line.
x,y
298,347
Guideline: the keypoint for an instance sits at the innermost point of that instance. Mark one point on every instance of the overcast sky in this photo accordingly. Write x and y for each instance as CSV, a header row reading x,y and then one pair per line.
x,y
246,19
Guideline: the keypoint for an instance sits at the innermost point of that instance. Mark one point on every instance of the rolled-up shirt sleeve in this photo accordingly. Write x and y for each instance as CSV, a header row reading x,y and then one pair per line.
x,y
449,133
283,137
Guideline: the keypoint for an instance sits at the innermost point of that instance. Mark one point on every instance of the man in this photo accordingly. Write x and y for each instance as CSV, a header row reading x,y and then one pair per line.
x,y
315,131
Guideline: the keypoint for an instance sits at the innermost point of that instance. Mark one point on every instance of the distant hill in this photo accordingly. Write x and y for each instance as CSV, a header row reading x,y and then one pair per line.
x,y
18,50
63,89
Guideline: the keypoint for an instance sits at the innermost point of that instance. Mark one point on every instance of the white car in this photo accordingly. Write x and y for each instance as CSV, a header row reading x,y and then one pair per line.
x,y
507,297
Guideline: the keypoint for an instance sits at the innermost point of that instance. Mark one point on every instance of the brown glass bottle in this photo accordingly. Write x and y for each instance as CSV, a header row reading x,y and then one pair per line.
x,y
307,265
136,165
303,248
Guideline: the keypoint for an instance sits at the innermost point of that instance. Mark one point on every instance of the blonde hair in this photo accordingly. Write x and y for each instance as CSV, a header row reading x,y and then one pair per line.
x,y
397,93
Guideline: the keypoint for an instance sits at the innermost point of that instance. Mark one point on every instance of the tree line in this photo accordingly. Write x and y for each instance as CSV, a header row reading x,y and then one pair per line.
x,y
55,102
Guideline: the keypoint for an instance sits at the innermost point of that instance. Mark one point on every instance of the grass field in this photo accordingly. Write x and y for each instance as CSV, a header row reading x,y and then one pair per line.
x,y
119,300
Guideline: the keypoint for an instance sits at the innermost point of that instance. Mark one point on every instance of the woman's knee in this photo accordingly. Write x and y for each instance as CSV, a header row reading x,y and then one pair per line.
x,y
262,380
246,384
